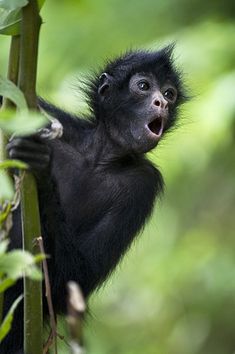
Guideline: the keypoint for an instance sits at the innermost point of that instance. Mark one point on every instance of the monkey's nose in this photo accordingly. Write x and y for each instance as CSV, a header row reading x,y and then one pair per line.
x,y
160,102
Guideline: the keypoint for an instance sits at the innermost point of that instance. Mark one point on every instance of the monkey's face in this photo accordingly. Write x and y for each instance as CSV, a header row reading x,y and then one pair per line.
x,y
137,98
141,111
151,108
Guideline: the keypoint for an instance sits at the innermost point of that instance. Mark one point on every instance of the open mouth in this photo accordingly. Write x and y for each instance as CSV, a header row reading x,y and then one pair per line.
x,y
156,127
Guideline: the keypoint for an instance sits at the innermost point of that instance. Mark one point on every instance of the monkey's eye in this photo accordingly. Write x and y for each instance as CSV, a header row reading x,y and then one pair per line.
x,y
143,85
170,94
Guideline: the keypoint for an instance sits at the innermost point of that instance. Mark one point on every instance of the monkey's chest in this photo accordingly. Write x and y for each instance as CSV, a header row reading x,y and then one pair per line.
x,y
89,196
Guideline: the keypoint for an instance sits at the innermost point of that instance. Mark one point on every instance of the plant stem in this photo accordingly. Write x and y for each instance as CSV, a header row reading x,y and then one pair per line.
x,y
13,66
49,296
13,70
31,22
33,318
14,58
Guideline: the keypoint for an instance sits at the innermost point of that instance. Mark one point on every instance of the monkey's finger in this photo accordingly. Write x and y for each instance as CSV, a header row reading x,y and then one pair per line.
x,y
31,145
28,156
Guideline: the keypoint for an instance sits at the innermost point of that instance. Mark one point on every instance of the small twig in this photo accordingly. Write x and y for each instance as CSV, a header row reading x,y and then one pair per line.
x,y
48,343
49,299
76,308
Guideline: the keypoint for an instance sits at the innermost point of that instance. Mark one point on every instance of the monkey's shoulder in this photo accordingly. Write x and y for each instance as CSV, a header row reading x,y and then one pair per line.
x,y
135,167
135,175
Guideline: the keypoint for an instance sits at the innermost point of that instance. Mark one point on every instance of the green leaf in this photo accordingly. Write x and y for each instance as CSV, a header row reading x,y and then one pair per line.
x,y
9,90
13,164
6,283
12,4
3,246
10,15
10,22
6,186
4,214
16,263
39,257
21,123
6,325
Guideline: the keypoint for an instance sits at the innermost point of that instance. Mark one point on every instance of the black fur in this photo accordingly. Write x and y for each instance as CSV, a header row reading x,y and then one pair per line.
x,y
96,188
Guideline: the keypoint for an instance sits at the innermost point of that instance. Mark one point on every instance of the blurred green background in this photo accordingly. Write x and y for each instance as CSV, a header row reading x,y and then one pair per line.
x,y
175,291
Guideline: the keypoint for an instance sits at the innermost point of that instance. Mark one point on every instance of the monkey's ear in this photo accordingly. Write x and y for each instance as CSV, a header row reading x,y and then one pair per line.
x,y
105,84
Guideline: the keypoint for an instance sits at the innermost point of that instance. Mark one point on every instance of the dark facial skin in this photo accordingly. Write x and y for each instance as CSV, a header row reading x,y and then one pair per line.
x,y
149,109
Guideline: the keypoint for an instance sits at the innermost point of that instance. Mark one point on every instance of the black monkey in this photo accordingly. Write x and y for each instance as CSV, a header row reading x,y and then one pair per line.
x,y
96,187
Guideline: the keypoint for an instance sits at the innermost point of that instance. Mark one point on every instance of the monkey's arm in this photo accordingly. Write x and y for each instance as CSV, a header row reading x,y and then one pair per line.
x,y
90,257
97,243
73,126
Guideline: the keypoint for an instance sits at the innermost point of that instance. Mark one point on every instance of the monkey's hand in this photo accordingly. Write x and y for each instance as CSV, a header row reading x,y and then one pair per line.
x,y
32,150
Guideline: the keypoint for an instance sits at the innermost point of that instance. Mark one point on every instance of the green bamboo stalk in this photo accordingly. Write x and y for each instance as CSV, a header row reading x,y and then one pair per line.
x,y
33,317
13,66
13,70
14,58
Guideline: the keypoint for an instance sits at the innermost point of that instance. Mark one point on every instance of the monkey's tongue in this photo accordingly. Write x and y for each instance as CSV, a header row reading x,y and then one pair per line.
x,y
156,126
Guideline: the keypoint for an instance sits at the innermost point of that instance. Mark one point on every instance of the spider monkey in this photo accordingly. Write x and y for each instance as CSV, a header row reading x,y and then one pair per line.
x,y
96,187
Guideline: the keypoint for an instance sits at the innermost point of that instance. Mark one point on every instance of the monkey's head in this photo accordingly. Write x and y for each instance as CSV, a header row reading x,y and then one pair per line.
x,y
136,98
